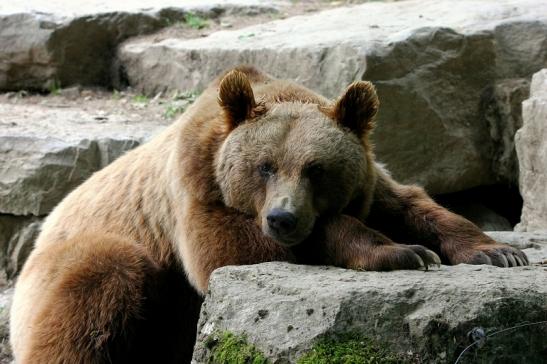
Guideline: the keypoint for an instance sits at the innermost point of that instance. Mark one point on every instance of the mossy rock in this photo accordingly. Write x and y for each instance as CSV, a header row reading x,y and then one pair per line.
x,y
227,348
349,349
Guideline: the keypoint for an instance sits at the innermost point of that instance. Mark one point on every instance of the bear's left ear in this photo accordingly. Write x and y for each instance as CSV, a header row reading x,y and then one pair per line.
x,y
357,107
236,97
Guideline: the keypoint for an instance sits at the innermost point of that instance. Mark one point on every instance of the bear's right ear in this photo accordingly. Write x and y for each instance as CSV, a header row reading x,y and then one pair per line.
x,y
236,98
357,107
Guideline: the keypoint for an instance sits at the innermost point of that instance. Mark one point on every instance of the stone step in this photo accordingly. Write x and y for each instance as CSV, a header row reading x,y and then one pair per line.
x,y
285,310
438,67
49,42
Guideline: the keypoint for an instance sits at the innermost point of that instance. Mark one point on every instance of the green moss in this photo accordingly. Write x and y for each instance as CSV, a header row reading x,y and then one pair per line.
x,y
228,348
348,349
195,21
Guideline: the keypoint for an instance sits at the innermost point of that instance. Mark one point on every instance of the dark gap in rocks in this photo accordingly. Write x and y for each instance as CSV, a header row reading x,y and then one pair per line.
x,y
492,208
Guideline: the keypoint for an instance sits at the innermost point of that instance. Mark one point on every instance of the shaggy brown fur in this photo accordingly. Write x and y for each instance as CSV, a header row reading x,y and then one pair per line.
x,y
256,170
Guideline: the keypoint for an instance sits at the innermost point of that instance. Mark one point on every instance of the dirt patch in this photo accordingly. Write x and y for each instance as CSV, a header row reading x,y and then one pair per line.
x,y
102,103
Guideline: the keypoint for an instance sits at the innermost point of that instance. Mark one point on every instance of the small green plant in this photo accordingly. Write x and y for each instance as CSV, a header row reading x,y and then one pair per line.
x,y
195,21
349,349
173,110
54,87
227,348
140,99
180,101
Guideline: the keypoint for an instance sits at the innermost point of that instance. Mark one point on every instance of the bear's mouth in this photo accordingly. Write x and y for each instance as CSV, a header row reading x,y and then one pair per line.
x,y
283,240
287,240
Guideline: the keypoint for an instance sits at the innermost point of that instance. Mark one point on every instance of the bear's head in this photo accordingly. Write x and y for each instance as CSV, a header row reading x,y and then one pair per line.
x,y
288,163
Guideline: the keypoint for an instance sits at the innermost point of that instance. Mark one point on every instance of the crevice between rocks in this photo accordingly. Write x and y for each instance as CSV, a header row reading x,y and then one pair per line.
x,y
492,208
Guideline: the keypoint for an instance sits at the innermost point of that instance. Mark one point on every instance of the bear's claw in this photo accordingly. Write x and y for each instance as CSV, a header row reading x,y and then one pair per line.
x,y
499,255
400,256
428,257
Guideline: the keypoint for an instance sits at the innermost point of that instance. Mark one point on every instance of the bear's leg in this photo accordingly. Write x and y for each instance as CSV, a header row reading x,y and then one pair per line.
x,y
344,241
408,215
92,310
222,236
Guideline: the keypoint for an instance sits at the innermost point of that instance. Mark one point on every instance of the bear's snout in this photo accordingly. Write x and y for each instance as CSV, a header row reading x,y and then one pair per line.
x,y
281,222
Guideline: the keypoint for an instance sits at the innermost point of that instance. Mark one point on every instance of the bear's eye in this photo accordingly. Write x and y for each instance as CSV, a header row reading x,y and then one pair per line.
x,y
315,171
266,170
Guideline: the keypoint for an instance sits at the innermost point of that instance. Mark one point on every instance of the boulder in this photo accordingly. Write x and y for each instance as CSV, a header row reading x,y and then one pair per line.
x,y
291,313
45,152
531,145
432,62
64,42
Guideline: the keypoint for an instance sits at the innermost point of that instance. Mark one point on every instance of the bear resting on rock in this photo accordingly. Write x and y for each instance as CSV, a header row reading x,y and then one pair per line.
x,y
257,170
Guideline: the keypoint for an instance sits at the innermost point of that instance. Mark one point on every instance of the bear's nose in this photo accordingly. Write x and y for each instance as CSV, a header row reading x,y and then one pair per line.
x,y
281,221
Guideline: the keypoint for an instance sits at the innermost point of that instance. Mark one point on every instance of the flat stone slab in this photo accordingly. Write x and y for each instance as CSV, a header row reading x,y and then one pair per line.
x,y
432,62
45,152
45,43
284,309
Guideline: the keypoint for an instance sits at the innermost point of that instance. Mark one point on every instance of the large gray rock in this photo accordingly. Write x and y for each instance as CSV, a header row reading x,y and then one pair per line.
x,y
283,310
432,62
63,41
46,152
531,143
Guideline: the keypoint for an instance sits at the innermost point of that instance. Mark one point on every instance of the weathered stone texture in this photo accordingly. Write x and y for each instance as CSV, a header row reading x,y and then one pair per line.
x,y
17,236
531,144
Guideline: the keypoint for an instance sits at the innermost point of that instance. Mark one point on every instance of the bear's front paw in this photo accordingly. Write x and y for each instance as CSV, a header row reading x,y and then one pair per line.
x,y
501,255
397,256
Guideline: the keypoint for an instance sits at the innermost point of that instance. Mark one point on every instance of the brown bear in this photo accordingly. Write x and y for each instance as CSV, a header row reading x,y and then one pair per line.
x,y
257,170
